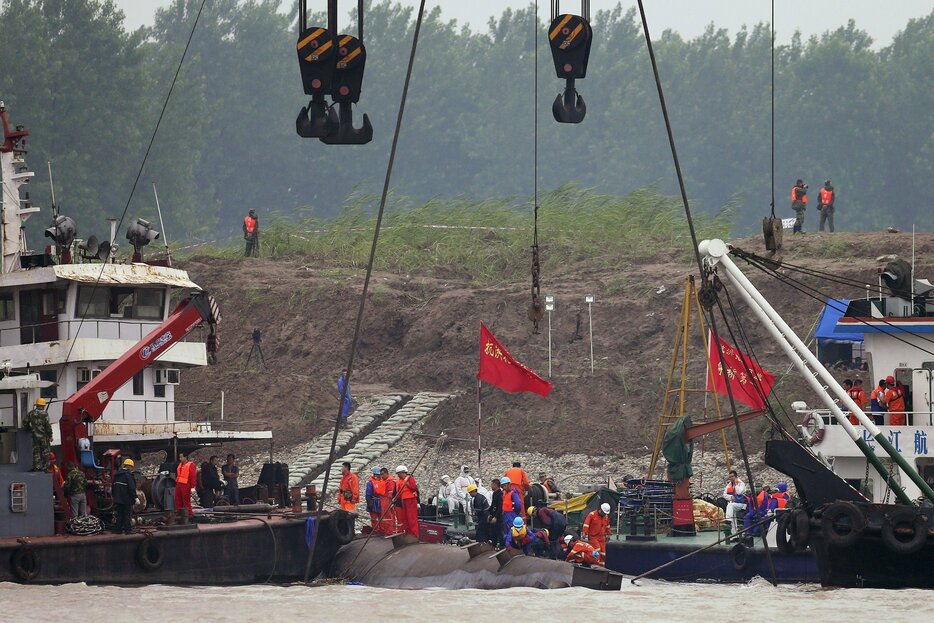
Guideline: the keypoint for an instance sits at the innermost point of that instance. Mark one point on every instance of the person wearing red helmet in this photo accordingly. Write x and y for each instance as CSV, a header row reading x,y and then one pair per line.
x,y
894,401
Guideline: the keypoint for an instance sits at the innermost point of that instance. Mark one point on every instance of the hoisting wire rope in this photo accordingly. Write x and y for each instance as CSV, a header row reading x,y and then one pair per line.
x,y
139,173
366,280
743,340
822,297
772,184
535,312
700,263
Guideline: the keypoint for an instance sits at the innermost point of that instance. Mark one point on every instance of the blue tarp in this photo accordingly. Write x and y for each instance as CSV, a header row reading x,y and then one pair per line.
x,y
833,311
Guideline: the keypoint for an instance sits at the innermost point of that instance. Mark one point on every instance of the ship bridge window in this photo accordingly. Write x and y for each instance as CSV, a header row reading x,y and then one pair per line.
x,y
137,303
7,308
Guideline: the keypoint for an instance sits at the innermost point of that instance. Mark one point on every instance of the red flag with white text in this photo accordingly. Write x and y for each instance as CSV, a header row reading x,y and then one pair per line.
x,y
499,368
749,383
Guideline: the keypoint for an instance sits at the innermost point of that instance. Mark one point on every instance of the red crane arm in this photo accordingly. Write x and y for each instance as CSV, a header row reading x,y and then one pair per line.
x,y
88,403
704,428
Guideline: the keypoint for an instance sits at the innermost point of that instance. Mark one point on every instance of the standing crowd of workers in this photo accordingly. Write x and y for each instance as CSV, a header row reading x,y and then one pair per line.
x,y
755,510
504,515
826,204
888,396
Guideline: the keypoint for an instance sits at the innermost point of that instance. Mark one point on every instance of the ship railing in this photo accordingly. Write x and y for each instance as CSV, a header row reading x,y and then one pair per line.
x,y
881,418
104,427
115,328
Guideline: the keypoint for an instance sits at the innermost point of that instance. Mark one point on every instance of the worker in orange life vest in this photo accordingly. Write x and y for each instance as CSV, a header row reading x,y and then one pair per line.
x,y
799,203
251,234
894,401
875,402
408,496
735,495
186,475
780,498
596,528
348,492
825,205
580,551
520,484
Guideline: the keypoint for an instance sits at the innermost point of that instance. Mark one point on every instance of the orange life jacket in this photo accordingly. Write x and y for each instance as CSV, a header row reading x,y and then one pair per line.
x,y
858,396
583,552
803,198
596,525
250,223
508,506
781,499
409,487
185,473
518,478
825,196
761,498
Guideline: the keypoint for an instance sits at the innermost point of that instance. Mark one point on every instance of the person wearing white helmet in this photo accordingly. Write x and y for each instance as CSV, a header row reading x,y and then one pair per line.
x,y
447,496
581,552
596,528
408,495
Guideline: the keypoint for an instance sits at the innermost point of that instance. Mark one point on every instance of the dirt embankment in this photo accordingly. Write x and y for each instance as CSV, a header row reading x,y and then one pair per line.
x,y
420,332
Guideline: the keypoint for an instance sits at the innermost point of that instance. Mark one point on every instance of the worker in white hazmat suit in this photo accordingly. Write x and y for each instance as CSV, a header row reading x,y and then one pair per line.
x,y
461,483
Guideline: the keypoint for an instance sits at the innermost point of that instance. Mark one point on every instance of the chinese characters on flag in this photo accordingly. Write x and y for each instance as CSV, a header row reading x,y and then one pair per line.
x,y
497,367
749,383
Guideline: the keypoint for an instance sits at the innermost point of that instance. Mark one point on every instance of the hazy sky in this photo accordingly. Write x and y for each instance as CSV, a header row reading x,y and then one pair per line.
x,y
689,17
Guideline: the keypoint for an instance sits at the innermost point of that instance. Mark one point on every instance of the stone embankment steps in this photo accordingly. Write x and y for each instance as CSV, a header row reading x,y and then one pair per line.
x,y
373,445
364,420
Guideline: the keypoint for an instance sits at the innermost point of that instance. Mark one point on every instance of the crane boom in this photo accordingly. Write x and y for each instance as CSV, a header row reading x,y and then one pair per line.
x,y
88,403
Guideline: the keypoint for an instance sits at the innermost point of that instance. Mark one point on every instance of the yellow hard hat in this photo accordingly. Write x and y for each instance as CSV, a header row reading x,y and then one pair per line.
x,y
41,402
471,488
129,462
531,510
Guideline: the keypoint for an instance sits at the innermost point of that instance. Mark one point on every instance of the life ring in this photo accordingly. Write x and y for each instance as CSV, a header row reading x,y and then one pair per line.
x,y
894,526
813,428
785,534
739,556
149,554
831,528
26,563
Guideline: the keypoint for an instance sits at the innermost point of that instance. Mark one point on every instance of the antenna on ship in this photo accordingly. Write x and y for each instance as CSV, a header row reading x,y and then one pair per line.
x,y
52,187
168,254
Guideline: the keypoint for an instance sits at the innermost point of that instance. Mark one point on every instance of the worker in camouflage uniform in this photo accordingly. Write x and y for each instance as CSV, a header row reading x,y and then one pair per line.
x,y
37,423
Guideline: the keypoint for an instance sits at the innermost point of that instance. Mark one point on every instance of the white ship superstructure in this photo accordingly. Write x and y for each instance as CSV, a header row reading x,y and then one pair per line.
x,y
65,318
899,342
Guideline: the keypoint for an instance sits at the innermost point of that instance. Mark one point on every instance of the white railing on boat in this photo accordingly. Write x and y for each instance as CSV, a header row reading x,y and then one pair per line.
x,y
107,329
913,418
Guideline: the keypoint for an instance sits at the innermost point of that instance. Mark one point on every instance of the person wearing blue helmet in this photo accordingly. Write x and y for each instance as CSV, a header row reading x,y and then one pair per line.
x,y
512,506
374,487
520,537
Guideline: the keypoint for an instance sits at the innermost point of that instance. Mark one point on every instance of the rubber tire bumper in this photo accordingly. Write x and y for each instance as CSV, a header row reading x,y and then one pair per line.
x,y
900,517
149,554
740,556
835,512
25,563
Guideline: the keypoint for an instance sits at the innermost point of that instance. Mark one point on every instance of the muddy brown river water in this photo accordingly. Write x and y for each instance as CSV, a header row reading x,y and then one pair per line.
x,y
647,602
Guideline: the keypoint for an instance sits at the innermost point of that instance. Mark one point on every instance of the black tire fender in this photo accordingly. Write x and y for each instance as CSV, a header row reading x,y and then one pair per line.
x,y
897,520
25,563
342,526
149,554
739,556
785,537
835,512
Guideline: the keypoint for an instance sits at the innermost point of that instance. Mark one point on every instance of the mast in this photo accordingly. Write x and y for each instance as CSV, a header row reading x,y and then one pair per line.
x,y
716,252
